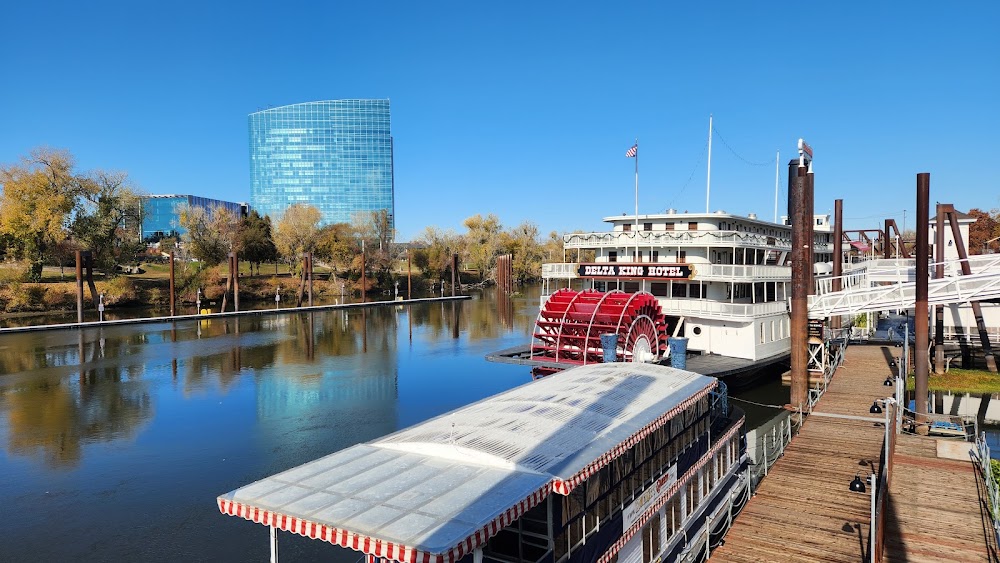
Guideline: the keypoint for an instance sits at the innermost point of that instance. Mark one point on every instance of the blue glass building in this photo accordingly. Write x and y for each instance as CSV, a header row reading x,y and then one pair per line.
x,y
161,213
335,155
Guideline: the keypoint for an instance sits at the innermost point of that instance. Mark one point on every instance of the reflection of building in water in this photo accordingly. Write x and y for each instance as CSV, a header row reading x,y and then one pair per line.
x,y
328,393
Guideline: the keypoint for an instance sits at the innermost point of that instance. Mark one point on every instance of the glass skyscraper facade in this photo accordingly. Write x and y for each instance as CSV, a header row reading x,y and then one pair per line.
x,y
161,213
335,155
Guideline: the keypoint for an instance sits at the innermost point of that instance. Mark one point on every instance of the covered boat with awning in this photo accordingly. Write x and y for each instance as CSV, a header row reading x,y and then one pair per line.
x,y
615,442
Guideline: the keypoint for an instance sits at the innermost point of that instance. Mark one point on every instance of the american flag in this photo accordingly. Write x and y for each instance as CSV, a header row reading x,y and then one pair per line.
x,y
632,151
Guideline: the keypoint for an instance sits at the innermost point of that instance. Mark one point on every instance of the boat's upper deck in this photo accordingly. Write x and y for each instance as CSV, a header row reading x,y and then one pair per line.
x,y
436,490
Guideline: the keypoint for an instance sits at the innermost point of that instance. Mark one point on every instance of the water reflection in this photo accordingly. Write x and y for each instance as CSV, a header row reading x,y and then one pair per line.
x,y
144,425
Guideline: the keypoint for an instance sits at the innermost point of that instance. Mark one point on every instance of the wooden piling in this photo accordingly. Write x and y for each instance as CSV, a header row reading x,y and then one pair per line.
x,y
79,288
801,264
920,306
938,274
838,252
173,309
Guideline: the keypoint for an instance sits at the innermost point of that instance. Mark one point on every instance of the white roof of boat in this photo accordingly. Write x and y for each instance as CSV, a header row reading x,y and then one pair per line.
x,y
435,491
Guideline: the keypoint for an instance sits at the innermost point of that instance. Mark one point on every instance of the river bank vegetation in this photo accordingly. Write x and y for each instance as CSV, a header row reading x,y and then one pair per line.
x,y
49,210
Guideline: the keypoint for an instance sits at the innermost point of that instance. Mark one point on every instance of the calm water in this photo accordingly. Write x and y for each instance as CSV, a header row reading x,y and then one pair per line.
x,y
116,441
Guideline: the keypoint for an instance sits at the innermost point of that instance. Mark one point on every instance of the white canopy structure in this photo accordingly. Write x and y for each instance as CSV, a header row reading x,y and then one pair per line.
x,y
436,491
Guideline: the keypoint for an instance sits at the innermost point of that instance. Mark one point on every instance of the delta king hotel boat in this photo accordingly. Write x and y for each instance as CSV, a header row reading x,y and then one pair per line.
x,y
606,463
720,280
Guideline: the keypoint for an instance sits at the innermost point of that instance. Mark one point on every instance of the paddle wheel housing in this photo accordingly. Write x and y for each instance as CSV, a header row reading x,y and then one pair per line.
x,y
570,324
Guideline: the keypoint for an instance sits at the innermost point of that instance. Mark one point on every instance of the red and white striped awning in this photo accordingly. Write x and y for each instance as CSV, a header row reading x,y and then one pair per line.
x,y
436,491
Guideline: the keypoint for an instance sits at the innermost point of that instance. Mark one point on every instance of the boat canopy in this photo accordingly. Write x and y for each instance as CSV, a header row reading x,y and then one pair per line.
x,y
436,491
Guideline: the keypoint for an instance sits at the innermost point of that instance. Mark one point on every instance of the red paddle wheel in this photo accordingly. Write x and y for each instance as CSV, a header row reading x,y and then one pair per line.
x,y
570,325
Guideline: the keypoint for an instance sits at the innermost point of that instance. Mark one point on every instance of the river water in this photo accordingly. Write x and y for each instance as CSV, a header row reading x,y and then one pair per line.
x,y
116,441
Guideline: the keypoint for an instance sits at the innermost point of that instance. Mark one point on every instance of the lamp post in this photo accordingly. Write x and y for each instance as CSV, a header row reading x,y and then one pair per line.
x,y
100,308
277,297
857,486
197,303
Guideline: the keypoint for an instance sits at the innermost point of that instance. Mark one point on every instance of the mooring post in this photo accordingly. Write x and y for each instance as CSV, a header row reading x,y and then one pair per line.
x,y
364,281
920,308
810,234
79,287
454,272
938,274
409,274
173,310
309,267
838,253
801,251
234,259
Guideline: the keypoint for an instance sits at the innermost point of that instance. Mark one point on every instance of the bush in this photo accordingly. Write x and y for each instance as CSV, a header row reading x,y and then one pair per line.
x,y
118,291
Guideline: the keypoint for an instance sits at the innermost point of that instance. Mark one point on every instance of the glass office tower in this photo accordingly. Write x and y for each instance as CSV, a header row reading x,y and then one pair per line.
x,y
335,155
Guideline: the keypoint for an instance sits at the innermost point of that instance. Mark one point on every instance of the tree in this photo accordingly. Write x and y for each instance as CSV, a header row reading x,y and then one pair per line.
x,y
482,242
39,196
336,243
522,243
986,227
434,258
108,203
256,240
375,228
296,230
211,234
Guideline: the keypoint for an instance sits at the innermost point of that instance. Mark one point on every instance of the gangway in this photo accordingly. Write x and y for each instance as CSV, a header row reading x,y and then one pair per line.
x,y
900,292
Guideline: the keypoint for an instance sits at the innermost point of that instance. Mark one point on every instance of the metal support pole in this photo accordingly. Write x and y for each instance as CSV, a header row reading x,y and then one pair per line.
x,y
173,304
79,287
872,524
838,252
801,264
939,309
274,545
920,309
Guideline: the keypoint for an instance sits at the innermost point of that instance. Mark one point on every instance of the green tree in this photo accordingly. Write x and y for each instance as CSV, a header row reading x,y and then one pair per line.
x,y
108,203
296,230
436,247
39,196
337,244
522,243
256,241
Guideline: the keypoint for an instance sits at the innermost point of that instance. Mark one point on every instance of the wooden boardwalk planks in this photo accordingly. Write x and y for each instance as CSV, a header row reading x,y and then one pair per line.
x,y
804,511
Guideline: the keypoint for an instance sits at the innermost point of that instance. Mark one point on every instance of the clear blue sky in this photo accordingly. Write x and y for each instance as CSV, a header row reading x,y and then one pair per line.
x,y
526,109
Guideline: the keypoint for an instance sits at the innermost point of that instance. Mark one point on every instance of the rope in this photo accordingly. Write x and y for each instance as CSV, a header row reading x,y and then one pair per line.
x,y
756,403
690,176
737,155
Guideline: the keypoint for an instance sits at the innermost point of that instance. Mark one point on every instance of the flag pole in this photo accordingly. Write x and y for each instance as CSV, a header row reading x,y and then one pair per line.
x,y
637,200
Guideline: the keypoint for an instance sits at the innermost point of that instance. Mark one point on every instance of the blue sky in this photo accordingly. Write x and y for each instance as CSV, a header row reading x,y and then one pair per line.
x,y
526,109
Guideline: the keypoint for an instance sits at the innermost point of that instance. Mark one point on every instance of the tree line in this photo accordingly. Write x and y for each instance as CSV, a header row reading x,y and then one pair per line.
x,y
49,210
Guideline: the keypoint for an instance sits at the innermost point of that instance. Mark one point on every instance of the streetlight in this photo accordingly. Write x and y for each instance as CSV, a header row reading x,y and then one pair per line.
x,y
857,486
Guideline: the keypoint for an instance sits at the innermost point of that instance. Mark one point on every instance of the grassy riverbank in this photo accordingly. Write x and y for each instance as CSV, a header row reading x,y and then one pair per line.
x,y
961,381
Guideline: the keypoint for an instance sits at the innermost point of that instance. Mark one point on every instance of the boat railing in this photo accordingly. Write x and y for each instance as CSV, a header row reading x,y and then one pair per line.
x,y
654,238
836,347
983,463
724,272
708,307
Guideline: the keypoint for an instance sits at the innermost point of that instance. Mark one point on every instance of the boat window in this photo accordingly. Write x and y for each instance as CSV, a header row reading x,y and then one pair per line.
x,y
692,225
612,256
659,289
656,256
679,290
682,256
696,330
670,226
627,227
651,539
695,291
647,226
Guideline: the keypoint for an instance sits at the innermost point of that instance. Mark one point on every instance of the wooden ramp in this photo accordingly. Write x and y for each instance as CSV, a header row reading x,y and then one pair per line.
x,y
934,512
804,511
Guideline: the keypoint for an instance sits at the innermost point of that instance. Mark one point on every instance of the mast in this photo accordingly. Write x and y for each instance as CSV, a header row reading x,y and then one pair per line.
x,y
708,182
637,200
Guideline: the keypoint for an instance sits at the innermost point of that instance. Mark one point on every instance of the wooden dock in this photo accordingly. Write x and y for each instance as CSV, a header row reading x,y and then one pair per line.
x,y
804,510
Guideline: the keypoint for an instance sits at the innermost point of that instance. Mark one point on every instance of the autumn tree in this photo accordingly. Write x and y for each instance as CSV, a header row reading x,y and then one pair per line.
x,y
336,244
433,257
211,233
522,243
481,242
39,196
296,230
375,229
108,203
986,227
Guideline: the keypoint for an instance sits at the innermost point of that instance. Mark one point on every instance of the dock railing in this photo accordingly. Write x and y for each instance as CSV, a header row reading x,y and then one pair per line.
x,y
982,460
835,356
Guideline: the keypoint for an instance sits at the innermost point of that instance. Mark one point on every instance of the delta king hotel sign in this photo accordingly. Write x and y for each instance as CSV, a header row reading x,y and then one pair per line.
x,y
642,271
